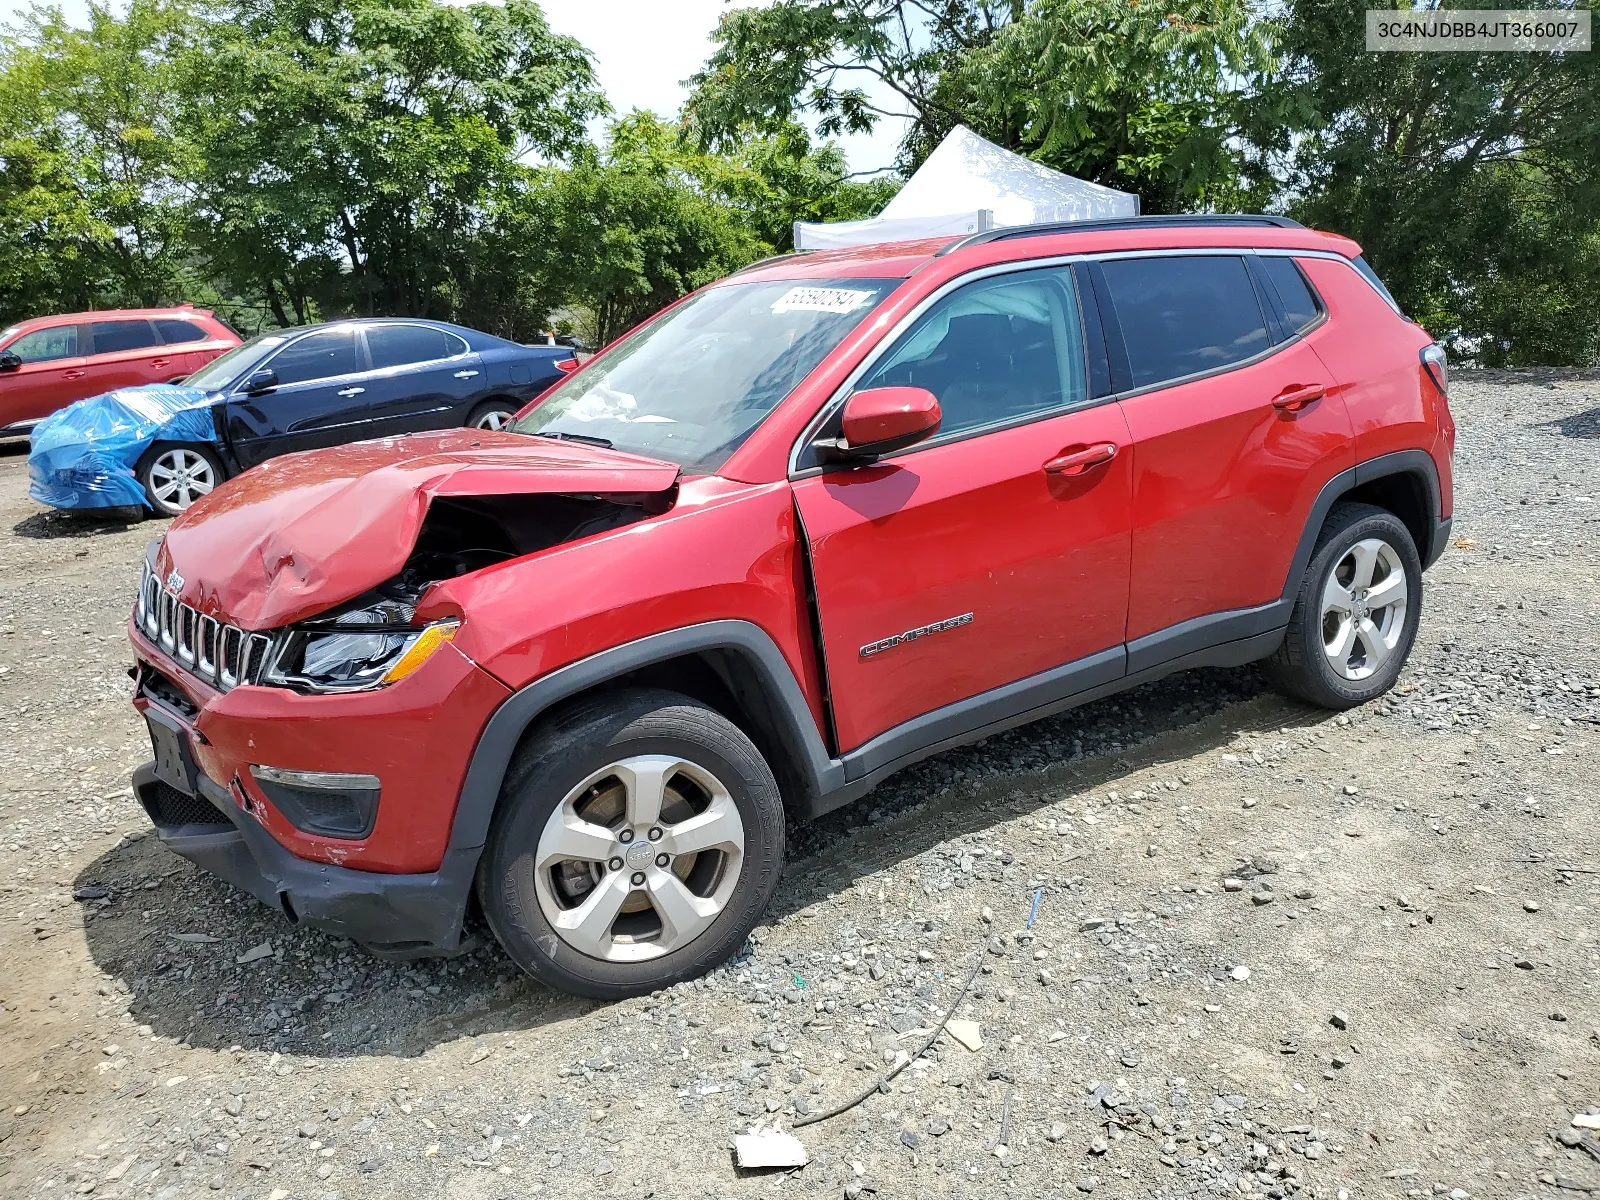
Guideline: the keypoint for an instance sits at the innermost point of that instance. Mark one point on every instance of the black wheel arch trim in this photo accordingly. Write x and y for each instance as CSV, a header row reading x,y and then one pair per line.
x,y
480,792
1400,462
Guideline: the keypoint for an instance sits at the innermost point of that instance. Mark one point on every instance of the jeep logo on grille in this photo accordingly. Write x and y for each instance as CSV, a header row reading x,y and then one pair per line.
x,y
174,582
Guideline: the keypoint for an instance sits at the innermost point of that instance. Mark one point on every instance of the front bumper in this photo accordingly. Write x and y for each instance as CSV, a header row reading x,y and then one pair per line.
x,y
404,916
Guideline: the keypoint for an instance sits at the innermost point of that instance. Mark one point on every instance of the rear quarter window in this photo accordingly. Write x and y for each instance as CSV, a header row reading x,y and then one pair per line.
x,y
1184,315
175,332
1295,298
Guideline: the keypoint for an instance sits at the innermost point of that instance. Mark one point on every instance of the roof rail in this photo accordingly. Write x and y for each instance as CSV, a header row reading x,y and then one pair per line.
x,y
767,262
1153,222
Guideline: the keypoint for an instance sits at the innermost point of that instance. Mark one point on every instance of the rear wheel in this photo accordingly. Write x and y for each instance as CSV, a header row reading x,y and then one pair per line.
x,y
638,841
174,477
492,414
1355,617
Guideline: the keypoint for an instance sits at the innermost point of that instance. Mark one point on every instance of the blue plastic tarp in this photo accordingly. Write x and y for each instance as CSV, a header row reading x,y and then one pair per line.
x,y
84,455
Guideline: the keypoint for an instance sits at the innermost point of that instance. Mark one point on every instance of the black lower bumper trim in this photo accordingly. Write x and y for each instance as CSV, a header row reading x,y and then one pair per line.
x,y
406,916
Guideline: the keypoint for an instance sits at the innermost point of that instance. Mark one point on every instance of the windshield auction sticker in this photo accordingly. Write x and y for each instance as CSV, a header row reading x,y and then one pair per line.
x,y
818,299
1468,29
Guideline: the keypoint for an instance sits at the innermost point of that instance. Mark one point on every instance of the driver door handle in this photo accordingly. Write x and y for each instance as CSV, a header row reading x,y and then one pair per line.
x,y
465,374
1076,462
351,391
72,374
1297,396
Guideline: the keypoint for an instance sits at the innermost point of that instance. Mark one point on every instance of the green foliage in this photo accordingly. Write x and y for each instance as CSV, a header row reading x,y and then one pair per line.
x,y
1469,179
349,145
294,160
1153,99
778,64
93,203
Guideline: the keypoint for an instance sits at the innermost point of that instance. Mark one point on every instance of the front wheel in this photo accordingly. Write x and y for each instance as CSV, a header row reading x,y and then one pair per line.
x,y
174,477
1355,617
638,841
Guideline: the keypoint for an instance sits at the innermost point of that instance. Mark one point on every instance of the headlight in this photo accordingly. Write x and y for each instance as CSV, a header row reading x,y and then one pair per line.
x,y
356,651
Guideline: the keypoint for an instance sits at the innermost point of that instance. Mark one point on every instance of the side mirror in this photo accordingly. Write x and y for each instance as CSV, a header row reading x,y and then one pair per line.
x,y
882,420
9,361
263,380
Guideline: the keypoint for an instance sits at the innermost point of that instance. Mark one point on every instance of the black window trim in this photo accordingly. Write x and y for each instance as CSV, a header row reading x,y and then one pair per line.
x,y
1108,314
363,363
466,347
1112,332
835,402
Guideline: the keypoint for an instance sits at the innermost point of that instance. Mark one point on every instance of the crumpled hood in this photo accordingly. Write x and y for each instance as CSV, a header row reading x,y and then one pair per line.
x,y
302,533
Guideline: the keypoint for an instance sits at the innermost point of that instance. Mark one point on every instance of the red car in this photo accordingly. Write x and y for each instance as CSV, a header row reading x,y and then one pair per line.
x,y
817,521
49,362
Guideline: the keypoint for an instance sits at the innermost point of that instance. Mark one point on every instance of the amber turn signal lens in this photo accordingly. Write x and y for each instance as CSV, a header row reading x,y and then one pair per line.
x,y
421,650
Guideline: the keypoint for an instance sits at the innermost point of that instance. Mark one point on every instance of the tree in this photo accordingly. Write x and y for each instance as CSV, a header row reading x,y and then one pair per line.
x,y
1469,179
93,167
776,65
352,146
624,232
1149,98
1153,99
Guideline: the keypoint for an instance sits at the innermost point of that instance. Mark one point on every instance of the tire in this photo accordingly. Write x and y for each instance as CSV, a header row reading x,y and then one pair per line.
x,y
175,476
586,769
492,414
1341,648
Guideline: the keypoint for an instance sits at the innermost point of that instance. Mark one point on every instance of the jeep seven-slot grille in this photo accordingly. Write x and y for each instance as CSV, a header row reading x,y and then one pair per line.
x,y
224,655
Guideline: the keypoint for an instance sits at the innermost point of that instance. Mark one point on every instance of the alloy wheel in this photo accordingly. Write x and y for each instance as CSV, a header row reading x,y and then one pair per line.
x,y
1364,609
179,477
639,858
495,418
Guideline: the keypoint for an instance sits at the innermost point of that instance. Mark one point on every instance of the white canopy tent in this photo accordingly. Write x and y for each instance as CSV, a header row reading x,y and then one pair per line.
x,y
967,185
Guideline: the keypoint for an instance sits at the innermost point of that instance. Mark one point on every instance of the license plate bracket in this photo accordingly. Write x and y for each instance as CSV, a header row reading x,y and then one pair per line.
x,y
170,742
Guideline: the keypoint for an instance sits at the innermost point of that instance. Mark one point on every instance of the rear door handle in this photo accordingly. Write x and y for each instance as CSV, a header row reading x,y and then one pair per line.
x,y
465,374
1293,399
351,391
161,362
1076,462
72,375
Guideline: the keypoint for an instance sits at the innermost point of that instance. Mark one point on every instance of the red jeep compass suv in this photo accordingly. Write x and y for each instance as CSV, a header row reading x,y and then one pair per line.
x,y
814,522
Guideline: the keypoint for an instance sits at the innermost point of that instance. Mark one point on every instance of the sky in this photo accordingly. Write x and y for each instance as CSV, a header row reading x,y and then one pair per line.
x,y
644,49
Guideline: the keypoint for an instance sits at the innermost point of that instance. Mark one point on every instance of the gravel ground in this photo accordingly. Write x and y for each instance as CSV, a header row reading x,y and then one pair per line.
x,y
1227,944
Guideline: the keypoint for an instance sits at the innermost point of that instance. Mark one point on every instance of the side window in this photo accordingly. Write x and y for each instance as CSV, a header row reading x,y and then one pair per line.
x,y
114,337
42,345
994,351
175,332
317,356
1295,298
1182,315
398,345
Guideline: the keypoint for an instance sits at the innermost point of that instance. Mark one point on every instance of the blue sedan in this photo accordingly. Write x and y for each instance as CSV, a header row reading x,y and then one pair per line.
x,y
165,446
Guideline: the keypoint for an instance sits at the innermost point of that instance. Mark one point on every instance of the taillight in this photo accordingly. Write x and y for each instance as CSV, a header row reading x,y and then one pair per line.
x,y
1438,367
567,365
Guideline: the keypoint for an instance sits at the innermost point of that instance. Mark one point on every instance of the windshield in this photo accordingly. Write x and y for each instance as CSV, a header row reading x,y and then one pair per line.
x,y
236,363
691,386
